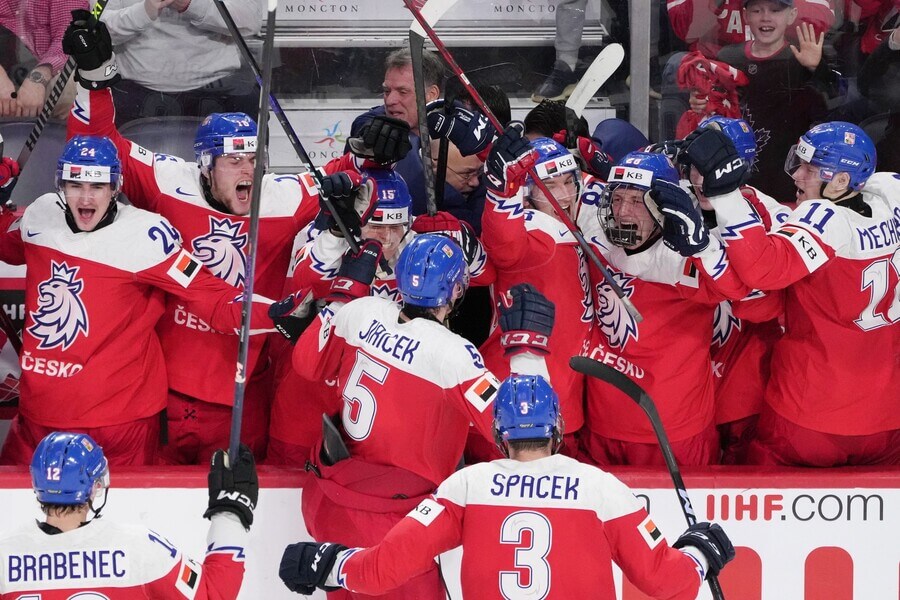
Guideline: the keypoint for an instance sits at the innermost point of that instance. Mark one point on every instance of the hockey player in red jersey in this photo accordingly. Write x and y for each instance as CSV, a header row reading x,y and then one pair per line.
x,y
831,400
535,525
208,203
677,297
94,289
410,389
97,558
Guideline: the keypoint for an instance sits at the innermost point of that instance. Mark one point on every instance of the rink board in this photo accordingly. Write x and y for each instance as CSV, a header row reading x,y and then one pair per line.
x,y
801,535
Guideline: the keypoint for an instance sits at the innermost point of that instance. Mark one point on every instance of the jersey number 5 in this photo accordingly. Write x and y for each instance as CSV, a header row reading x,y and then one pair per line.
x,y
531,531
360,404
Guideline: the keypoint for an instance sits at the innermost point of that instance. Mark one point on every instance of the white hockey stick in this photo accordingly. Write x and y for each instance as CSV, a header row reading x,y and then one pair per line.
x,y
597,74
431,12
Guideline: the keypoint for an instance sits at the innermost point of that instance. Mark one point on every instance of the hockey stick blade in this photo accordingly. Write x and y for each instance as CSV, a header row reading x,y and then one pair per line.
x,y
597,74
431,12
624,384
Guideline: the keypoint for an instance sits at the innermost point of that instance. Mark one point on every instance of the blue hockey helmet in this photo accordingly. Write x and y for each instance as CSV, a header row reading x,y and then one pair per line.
x,y
90,159
739,132
394,200
526,408
835,147
553,159
66,467
224,133
429,269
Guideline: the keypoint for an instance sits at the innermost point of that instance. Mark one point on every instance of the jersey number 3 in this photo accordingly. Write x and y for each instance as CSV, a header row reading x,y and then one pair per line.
x,y
360,404
533,534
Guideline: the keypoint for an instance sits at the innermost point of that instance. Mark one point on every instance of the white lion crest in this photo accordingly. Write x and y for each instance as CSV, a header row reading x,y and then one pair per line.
x,y
222,250
60,313
614,320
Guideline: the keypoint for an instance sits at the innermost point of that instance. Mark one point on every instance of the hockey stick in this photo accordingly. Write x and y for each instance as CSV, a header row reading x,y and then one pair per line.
x,y
46,111
597,74
621,382
288,128
479,101
262,138
416,49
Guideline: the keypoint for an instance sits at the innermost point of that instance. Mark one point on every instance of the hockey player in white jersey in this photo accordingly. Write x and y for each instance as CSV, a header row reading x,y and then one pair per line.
x,y
74,554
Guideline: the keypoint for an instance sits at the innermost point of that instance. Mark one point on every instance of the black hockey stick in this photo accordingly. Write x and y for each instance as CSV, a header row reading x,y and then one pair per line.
x,y
288,128
46,111
486,111
416,50
262,137
624,384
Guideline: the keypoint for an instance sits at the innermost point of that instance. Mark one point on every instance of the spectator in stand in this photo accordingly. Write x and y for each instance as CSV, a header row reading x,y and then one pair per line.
x,y
876,20
879,82
787,86
713,91
177,57
39,26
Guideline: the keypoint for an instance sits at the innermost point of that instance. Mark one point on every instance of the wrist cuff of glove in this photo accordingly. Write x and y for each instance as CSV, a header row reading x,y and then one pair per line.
x,y
344,289
517,341
104,76
243,513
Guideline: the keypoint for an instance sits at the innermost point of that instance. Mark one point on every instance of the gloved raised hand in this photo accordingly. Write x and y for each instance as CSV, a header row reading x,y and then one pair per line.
x,y
9,170
508,162
526,320
711,540
306,565
356,273
671,148
353,199
234,487
470,132
683,227
384,140
87,41
598,162
716,159
446,224
292,315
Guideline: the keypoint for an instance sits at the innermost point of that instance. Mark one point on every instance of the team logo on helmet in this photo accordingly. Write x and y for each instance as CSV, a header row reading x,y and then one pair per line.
x,y
614,320
60,314
222,250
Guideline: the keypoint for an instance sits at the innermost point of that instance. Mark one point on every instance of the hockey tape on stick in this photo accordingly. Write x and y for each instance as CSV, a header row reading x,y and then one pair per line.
x,y
627,386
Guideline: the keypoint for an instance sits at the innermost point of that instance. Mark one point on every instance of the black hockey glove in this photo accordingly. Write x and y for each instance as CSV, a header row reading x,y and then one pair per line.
x,y
470,132
526,320
671,148
357,271
683,227
509,160
305,566
233,488
716,159
352,198
384,140
710,539
292,315
87,41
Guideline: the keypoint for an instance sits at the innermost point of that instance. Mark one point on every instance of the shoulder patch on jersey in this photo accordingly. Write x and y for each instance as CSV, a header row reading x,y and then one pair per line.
x,y
184,269
188,580
141,154
650,532
807,246
426,512
481,393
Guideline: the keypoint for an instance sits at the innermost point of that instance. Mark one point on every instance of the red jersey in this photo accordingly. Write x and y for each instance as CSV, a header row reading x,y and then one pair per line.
x,y
410,390
548,528
172,187
90,355
528,246
841,275
104,559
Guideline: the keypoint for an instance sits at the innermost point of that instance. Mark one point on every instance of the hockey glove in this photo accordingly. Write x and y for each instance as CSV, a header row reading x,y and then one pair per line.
x,y
470,132
353,199
293,315
9,170
671,148
357,271
715,157
233,488
87,41
384,140
526,320
509,160
710,539
305,566
446,224
597,162
683,227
